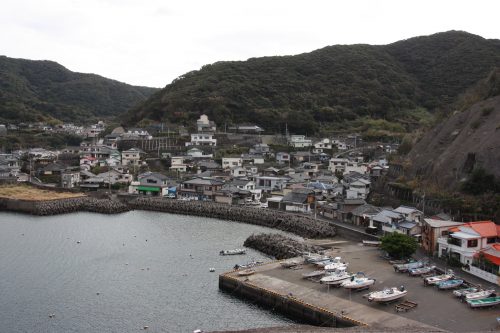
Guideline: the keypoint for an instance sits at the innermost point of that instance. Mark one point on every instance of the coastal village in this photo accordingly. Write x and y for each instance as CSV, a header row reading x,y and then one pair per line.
x,y
324,178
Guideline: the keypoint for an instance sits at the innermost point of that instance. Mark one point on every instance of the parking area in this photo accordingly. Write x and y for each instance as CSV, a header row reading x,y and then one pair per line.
x,y
435,308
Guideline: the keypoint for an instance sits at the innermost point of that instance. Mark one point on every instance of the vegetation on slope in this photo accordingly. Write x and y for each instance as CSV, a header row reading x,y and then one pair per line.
x,y
46,91
337,87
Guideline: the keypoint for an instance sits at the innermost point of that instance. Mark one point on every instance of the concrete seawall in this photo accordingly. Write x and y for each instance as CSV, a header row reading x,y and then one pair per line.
x,y
285,304
63,206
300,225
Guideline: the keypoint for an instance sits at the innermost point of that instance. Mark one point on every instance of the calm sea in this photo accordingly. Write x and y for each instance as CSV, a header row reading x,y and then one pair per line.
x,y
128,271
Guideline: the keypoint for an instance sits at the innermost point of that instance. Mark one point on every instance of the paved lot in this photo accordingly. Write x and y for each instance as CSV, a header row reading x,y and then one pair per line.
x,y
436,308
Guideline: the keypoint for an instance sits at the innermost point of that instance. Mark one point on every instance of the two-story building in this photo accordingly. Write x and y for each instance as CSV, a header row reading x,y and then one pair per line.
x,y
432,230
200,188
464,241
150,183
132,157
282,158
270,183
231,162
299,141
202,139
321,146
204,125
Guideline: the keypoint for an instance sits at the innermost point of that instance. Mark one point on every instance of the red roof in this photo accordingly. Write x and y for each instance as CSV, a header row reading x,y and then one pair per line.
x,y
492,253
483,228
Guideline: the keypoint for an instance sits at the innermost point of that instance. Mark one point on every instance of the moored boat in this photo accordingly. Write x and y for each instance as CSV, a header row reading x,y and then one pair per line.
x,y
464,291
484,302
232,252
387,294
336,264
479,295
449,284
405,267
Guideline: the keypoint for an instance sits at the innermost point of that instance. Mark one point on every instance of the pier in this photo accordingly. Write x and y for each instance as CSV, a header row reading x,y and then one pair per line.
x,y
285,291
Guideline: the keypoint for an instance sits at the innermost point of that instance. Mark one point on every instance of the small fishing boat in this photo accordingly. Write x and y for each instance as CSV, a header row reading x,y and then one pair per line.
x,y
449,284
401,268
464,291
232,252
360,281
313,274
420,271
337,277
249,264
432,280
337,263
290,263
312,258
387,294
484,302
479,295
246,272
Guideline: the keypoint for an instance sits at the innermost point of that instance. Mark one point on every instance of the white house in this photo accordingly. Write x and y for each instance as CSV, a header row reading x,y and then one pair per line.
x,y
338,164
131,157
198,153
269,183
464,241
202,139
321,146
231,162
299,141
358,189
204,125
282,158
177,163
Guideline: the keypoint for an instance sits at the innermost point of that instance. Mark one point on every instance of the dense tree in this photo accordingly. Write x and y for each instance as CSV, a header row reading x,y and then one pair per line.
x,y
399,245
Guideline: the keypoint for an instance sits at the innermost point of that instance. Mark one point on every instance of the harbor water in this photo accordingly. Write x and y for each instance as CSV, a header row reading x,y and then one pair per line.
x,y
86,272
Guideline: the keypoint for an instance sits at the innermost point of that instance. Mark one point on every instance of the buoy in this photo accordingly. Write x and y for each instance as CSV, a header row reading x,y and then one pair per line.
x,y
145,327
52,315
212,269
97,293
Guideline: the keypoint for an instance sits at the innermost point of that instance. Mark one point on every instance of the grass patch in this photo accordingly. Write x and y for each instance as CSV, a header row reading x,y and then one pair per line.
x,y
24,192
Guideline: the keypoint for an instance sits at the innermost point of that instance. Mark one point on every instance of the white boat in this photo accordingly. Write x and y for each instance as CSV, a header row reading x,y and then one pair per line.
x,y
420,271
360,281
387,295
336,264
312,258
479,295
290,263
313,274
465,291
484,302
401,268
449,284
337,277
432,280
232,252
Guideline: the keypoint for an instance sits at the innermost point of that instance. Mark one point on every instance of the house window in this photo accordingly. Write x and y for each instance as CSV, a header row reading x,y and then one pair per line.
x,y
445,233
472,243
151,181
491,240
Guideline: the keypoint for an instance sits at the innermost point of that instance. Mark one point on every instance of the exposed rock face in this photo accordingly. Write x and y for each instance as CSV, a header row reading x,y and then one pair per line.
x,y
300,225
279,246
466,140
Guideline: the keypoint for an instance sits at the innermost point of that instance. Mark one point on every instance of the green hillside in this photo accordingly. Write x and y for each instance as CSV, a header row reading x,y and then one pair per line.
x,y
44,90
385,88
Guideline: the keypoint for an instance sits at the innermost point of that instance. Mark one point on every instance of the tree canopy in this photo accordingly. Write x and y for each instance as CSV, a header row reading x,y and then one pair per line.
x,y
398,245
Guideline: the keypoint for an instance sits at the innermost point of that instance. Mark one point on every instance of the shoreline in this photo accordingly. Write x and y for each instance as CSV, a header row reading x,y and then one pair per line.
x,y
303,226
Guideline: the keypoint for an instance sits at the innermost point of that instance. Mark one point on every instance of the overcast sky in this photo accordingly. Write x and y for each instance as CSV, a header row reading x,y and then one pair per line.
x,y
151,42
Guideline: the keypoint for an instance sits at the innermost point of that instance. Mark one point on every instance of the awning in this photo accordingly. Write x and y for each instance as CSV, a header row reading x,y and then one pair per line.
x,y
148,188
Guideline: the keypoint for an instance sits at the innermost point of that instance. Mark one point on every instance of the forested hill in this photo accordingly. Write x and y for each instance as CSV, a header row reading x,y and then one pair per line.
x,y
334,87
44,90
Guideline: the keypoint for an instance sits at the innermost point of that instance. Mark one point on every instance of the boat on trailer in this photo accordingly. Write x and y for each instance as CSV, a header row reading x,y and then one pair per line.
x,y
387,294
360,281
432,280
420,270
337,277
449,284
484,302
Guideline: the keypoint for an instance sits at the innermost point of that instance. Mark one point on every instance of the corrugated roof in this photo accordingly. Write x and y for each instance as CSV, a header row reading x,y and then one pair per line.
x,y
440,223
483,228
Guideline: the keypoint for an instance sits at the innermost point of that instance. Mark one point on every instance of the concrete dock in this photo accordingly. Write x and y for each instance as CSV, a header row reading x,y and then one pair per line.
x,y
285,291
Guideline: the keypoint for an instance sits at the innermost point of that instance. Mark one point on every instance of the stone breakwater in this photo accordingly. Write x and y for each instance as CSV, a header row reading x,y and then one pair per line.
x,y
279,246
62,206
300,225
